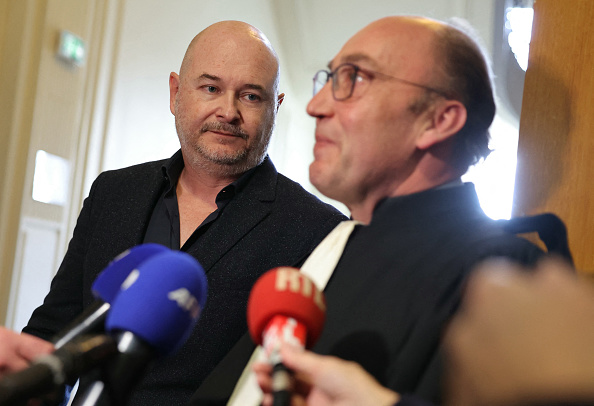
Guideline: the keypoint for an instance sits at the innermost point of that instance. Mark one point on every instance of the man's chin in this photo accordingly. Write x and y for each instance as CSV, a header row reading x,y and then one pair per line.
x,y
223,156
316,178
322,175
229,164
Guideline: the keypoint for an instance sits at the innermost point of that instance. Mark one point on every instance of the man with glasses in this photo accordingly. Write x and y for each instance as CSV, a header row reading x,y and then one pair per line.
x,y
401,113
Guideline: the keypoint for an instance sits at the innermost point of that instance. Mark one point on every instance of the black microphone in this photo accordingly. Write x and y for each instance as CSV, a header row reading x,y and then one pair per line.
x,y
66,363
52,371
105,289
151,317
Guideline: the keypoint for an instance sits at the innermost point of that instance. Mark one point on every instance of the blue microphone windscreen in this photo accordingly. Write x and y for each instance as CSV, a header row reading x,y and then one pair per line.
x,y
107,285
161,301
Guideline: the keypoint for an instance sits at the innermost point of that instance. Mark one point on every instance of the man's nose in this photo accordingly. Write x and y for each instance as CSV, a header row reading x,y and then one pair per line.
x,y
320,103
228,108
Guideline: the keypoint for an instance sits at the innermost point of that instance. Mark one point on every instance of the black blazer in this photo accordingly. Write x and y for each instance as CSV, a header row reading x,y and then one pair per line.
x,y
273,221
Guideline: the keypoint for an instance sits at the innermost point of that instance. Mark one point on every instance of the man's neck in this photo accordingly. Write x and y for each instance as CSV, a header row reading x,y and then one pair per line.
x,y
202,184
363,210
196,198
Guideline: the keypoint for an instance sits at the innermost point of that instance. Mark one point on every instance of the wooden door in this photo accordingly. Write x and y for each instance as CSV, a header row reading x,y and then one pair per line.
x,y
556,146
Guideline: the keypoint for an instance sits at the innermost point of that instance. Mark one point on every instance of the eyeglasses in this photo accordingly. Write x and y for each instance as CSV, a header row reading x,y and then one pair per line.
x,y
346,75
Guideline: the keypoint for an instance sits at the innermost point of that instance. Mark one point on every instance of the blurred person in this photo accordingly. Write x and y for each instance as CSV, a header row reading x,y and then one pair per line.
x,y
523,338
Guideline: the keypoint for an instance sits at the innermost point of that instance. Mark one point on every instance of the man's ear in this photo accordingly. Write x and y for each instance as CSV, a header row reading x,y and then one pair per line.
x,y
279,100
446,118
173,89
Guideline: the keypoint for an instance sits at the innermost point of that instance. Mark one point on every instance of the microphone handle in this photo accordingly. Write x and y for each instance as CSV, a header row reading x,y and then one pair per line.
x,y
95,394
113,383
90,321
50,372
18,387
282,385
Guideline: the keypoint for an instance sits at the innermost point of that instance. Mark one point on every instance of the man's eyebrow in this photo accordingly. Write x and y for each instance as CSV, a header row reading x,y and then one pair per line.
x,y
209,77
354,58
252,86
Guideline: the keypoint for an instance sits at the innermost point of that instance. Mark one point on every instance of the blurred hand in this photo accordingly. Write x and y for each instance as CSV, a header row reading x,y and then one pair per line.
x,y
326,381
18,350
522,337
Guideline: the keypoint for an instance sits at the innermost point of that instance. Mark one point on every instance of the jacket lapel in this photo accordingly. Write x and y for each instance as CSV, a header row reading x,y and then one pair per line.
x,y
244,212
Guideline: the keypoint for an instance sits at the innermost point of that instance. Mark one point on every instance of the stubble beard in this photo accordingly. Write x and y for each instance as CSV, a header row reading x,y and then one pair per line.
x,y
215,161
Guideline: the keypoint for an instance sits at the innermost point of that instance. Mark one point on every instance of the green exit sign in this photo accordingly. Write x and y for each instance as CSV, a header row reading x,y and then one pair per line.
x,y
71,48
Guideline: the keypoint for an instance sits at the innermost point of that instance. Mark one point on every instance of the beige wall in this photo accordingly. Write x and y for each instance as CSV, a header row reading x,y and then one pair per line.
x,y
45,105
19,58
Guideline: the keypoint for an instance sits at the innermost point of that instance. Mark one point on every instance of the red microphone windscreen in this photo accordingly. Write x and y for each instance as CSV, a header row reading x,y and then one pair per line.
x,y
285,291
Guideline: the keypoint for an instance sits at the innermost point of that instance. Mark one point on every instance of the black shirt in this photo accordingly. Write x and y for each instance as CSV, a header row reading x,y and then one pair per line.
x,y
164,228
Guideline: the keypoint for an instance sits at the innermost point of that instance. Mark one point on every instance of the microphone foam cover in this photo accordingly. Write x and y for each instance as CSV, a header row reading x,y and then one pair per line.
x,y
107,285
161,306
286,291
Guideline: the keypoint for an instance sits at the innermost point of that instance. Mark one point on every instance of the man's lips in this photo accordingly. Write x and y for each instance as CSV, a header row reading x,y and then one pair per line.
x,y
225,130
323,140
223,133
321,145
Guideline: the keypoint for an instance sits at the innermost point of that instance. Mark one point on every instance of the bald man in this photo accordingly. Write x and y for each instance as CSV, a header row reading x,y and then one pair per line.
x,y
401,113
219,199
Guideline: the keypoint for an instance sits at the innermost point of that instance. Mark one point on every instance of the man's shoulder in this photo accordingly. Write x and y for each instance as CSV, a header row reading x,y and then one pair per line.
x,y
509,245
289,196
137,170
139,176
449,227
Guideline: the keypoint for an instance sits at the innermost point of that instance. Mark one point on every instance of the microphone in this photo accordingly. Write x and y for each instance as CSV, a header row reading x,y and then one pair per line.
x,y
284,306
171,289
52,371
105,289
152,316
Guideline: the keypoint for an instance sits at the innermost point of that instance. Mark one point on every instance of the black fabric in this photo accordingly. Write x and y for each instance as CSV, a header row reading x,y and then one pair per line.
x,y
550,229
163,226
400,279
272,222
409,400
218,386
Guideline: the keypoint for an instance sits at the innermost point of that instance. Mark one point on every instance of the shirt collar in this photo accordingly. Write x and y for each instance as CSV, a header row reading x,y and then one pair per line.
x,y
173,167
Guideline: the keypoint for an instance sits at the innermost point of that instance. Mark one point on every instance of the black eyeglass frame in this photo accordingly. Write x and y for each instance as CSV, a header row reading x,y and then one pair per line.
x,y
357,69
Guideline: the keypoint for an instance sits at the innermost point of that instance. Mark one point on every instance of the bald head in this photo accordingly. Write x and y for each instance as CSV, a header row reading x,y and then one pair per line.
x,y
395,23
225,99
449,58
232,33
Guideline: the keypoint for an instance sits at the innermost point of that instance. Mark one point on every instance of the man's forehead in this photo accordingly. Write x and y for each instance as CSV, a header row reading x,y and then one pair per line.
x,y
248,65
389,46
219,46
372,47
